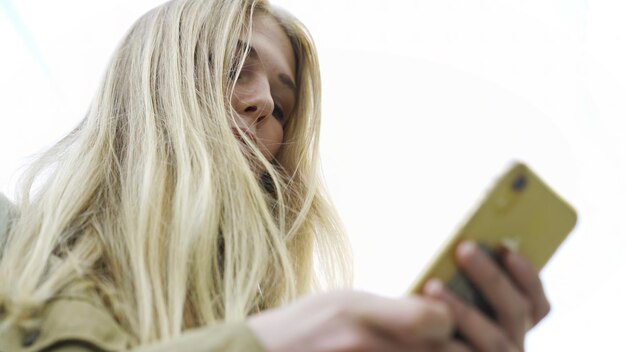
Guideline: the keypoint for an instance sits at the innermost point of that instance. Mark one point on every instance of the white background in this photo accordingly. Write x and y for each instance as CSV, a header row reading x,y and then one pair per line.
x,y
425,103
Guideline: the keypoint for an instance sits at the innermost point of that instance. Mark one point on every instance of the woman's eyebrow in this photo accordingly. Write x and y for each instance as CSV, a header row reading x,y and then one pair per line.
x,y
288,82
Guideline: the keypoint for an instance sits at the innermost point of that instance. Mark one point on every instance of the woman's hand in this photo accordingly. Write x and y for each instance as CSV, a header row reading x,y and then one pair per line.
x,y
357,321
517,298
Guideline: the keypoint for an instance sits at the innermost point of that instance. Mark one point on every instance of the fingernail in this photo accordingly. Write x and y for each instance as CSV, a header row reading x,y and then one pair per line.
x,y
434,287
510,244
467,248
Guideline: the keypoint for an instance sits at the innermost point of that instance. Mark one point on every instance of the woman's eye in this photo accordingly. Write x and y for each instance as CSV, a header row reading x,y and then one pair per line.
x,y
278,113
232,73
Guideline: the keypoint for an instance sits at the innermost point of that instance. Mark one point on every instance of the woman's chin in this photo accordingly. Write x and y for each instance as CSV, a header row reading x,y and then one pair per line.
x,y
256,165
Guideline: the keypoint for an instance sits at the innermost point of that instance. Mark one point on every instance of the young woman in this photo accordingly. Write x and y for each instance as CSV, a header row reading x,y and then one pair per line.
x,y
186,212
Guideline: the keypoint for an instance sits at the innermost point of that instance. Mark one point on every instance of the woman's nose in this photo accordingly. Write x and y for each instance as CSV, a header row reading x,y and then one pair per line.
x,y
254,101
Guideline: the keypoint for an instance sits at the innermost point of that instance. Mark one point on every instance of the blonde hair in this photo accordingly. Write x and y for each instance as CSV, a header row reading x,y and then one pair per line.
x,y
152,199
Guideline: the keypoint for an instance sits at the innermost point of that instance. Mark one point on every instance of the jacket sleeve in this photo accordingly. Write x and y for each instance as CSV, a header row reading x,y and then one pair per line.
x,y
221,337
74,325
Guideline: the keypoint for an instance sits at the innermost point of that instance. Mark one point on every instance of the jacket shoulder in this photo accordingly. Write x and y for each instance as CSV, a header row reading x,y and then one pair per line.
x,y
75,317
77,321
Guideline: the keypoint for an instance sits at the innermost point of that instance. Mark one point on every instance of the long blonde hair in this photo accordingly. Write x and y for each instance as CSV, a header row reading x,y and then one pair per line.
x,y
153,201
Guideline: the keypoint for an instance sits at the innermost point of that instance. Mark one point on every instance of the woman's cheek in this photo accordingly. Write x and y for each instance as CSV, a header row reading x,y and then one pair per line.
x,y
275,139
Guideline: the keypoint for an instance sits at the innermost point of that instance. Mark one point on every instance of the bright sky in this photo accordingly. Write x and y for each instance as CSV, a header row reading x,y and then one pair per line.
x,y
425,104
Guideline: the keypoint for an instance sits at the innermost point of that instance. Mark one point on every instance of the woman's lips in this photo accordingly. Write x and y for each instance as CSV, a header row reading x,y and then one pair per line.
x,y
247,132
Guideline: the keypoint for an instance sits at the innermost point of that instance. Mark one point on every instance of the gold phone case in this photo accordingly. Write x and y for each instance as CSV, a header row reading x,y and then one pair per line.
x,y
520,212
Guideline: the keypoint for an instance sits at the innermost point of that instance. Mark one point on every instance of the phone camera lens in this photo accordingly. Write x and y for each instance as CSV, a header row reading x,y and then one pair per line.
x,y
520,183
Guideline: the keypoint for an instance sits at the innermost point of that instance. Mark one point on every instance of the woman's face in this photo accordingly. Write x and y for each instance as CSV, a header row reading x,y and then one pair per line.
x,y
265,92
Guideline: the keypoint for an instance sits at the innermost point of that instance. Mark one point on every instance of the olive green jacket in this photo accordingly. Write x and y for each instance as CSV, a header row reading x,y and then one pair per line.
x,y
77,321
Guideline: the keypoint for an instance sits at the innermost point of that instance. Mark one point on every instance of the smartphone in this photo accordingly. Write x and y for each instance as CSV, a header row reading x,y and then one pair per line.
x,y
521,213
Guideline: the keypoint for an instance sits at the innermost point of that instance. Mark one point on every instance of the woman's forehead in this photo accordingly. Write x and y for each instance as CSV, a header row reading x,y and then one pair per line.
x,y
272,43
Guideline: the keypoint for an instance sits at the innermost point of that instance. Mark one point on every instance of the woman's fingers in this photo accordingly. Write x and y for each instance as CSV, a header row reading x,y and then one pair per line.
x,y
526,278
357,321
454,346
481,332
409,319
512,307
